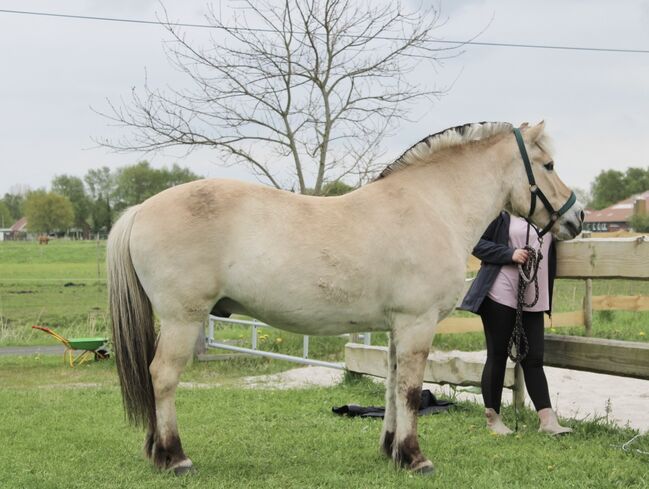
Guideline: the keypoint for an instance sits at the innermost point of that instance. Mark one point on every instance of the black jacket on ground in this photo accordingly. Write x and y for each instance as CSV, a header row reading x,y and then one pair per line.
x,y
494,252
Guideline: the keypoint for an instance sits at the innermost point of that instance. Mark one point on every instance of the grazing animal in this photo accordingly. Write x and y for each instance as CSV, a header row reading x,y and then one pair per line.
x,y
389,256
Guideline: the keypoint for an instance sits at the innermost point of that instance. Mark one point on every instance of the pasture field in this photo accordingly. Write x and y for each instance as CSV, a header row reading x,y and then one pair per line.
x,y
64,427
62,285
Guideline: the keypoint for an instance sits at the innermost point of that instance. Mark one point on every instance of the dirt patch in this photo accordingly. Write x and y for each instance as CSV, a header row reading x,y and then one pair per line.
x,y
298,378
197,385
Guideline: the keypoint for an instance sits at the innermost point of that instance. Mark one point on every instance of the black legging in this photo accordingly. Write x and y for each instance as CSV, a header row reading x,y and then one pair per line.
x,y
498,321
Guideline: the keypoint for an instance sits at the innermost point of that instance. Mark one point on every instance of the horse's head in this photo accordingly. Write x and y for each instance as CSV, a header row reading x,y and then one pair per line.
x,y
537,192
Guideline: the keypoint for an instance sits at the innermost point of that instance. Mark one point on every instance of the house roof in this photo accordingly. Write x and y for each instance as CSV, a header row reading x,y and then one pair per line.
x,y
619,212
19,225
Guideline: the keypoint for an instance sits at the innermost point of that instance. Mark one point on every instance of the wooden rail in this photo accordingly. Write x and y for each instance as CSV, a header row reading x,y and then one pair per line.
x,y
455,368
604,258
613,357
620,302
455,325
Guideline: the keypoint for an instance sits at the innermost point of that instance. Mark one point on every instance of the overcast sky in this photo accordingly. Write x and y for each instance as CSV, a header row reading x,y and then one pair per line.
x,y
596,105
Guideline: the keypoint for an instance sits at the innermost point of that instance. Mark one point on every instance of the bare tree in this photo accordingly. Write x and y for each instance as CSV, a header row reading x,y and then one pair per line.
x,y
311,85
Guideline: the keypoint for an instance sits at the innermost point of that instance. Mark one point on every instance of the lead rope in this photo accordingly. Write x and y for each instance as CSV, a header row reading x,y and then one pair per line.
x,y
518,347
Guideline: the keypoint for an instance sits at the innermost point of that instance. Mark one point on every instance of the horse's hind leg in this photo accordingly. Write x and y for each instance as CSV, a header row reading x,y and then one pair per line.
x,y
390,418
175,347
412,345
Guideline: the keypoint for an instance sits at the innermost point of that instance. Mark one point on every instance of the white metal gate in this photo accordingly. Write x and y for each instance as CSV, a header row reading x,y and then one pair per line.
x,y
254,350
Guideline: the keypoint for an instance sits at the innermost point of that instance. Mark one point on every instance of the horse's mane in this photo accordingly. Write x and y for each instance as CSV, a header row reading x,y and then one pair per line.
x,y
453,136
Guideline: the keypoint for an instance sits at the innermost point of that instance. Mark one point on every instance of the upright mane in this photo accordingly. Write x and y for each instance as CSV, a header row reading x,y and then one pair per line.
x,y
453,136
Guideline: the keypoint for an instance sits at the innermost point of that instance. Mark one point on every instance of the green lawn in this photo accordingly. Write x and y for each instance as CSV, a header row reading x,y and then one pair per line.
x,y
64,428
61,285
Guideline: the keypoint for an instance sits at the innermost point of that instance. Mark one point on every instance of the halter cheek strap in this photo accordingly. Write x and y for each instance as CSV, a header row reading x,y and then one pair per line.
x,y
537,192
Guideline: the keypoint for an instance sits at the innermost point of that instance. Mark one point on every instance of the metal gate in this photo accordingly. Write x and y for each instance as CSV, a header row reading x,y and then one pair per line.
x,y
253,350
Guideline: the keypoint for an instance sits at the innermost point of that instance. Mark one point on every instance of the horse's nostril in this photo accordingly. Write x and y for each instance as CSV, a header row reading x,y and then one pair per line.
x,y
582,216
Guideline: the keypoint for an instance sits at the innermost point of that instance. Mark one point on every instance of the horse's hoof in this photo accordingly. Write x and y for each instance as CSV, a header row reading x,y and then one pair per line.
x,y
182,470
183,467
424,468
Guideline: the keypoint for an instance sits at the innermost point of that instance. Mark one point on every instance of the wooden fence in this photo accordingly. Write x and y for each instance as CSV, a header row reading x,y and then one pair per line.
x,y
626,258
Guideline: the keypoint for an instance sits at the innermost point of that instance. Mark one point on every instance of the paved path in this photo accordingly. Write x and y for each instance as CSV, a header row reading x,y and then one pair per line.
x,y
588,396
32,350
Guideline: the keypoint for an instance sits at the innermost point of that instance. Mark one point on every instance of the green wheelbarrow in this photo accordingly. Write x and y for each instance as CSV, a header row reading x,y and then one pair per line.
x,y
90,348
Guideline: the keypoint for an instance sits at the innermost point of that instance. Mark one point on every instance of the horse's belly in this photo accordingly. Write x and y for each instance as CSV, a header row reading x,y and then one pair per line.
x,y
322,322
305,316
326,327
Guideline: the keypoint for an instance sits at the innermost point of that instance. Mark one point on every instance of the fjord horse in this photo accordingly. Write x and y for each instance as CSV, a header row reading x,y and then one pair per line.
x,y
389,256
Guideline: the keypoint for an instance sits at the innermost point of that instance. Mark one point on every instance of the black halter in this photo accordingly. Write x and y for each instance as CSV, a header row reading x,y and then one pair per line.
x,y
536,191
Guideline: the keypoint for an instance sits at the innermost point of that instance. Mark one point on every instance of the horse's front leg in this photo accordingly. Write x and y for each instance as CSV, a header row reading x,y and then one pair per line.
x,y
412,339
175,347
390,418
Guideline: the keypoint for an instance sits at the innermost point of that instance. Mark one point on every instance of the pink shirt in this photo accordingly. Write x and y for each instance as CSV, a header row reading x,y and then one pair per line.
x,y
505,288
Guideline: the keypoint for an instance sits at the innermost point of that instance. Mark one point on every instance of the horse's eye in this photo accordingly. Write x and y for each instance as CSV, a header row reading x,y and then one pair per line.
x,y
549,166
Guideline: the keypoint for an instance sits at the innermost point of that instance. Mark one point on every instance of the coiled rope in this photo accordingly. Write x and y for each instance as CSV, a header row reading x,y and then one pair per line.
x,y
518,346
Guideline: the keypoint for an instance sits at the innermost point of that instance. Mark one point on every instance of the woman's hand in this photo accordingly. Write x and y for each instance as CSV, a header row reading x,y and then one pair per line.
x,y
520,256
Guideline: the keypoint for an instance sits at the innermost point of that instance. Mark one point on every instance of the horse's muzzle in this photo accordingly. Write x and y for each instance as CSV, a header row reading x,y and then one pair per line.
x,y
572,223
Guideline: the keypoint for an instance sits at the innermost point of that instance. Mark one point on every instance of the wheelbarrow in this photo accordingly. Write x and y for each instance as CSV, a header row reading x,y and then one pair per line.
x,y
90,348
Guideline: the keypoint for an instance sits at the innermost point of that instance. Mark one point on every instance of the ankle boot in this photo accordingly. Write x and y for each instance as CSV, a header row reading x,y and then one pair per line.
x,y
550,423
495,423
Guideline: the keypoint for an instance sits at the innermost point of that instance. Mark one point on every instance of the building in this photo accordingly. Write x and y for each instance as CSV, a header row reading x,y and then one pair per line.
x,y
18,231
617,216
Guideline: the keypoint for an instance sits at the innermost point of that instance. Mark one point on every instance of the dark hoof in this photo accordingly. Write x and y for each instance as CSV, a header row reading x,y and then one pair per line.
x,y
183,468
169,455
425,468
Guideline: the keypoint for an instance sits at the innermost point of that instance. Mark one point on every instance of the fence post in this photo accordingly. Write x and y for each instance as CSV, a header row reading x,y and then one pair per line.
x,y
588,307
305,346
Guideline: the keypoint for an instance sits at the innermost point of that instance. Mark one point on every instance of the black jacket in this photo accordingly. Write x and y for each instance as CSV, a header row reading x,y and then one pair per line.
x,y
494,252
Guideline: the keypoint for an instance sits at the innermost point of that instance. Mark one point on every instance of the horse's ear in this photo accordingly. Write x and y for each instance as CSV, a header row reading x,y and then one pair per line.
x,y
524,125
532,134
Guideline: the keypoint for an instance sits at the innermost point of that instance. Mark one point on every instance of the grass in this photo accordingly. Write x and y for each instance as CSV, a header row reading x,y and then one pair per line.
x,y
62,285
65,428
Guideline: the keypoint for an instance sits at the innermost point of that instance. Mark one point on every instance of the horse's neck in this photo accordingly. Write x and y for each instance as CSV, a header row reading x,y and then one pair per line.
x,y
477,182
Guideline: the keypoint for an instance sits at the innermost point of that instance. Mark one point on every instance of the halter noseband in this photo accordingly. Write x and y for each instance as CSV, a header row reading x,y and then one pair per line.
x,y
537,192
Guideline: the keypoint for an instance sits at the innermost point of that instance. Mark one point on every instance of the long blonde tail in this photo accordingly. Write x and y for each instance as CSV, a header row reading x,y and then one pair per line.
x,y
133,326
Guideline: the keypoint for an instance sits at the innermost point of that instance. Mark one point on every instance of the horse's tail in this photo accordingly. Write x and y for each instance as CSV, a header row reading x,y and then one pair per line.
x,y
133,326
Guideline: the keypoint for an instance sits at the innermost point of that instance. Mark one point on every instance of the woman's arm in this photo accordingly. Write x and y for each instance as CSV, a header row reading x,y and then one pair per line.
x,y
490,252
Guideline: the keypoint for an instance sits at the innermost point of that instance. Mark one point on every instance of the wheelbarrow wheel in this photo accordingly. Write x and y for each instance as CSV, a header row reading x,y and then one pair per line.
x,y
102,354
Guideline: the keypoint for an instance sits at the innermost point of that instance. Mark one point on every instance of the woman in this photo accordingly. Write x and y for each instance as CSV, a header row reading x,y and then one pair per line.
x,y
493,295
